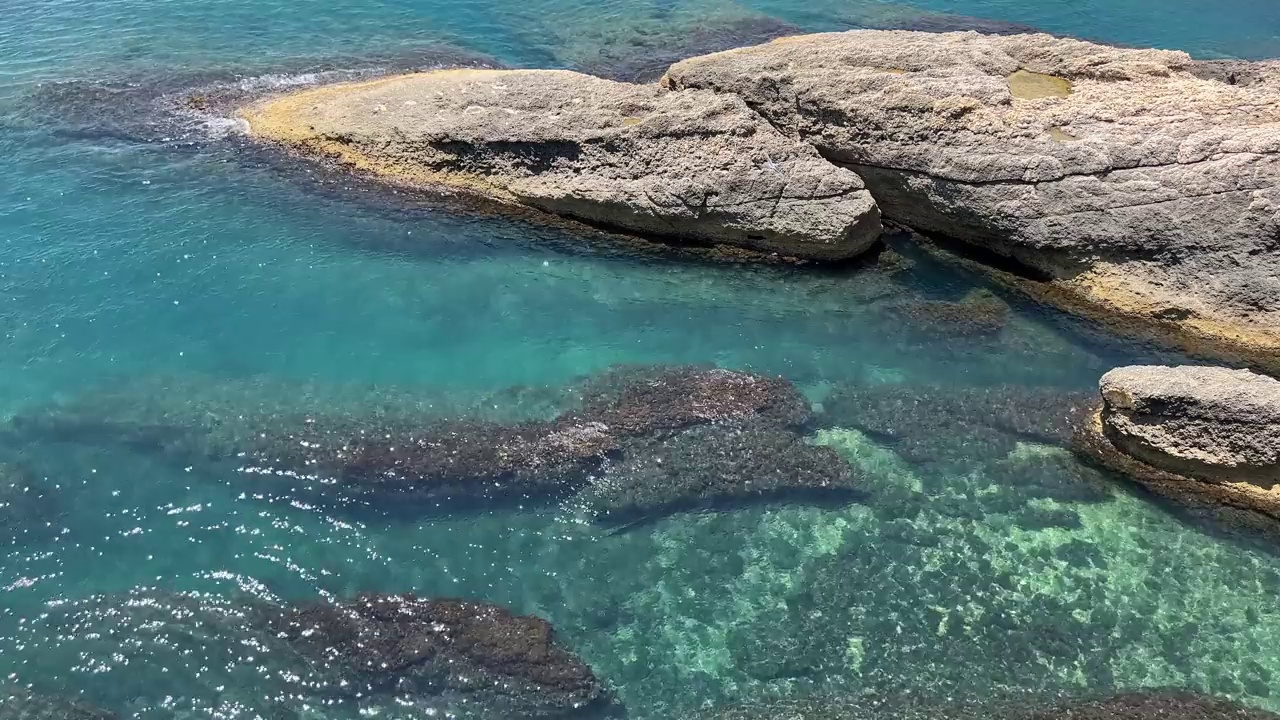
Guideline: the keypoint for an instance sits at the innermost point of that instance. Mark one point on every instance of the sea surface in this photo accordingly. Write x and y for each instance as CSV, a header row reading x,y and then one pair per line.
x,y
158,272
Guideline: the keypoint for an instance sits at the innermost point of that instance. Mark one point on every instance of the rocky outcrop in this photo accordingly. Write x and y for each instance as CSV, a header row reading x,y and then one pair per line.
x,y
476,654
1138,183
696,166
1206,436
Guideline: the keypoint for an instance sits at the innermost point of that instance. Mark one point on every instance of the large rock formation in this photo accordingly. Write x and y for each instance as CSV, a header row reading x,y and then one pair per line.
x,y
1204,435
692,166
1135,182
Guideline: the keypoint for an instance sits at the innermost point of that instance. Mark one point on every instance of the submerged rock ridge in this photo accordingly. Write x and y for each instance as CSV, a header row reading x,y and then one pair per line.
x,y
1139,183
631,443
693,166
487,661
1208,437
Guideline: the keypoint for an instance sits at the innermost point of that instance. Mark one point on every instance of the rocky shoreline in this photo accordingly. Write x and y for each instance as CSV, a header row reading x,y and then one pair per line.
x,y
1135,184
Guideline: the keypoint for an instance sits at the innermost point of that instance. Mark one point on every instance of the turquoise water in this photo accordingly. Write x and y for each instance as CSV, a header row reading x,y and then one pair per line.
x,y
156,271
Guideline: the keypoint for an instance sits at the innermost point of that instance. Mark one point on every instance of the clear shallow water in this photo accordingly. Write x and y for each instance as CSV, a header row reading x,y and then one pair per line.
x,y
200,277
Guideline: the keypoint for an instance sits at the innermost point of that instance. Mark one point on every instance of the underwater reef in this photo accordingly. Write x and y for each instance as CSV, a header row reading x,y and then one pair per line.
x,y
374,652
631,443
29,506
942,424
476,653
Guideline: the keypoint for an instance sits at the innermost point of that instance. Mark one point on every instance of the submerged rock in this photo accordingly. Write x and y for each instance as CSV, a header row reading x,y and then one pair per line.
x,y
180,107
644,57
978,314
206,654
20,704
474,654
968,424
714,466
644,399
695,167
28,506
1138,183
622,413
1140,705
1205,436
406,450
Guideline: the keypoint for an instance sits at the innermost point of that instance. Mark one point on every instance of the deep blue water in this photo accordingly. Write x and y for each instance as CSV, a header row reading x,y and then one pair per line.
x,y
152,268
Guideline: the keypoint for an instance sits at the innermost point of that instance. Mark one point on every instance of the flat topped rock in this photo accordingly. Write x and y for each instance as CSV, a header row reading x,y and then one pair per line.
x,y
1207,437
1208,422
1141,181
691,166
1205,393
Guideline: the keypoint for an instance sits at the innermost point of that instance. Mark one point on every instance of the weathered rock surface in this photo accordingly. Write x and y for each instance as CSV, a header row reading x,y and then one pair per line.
x,y
477,653
1209,422
693,166
1205,436
1142,183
